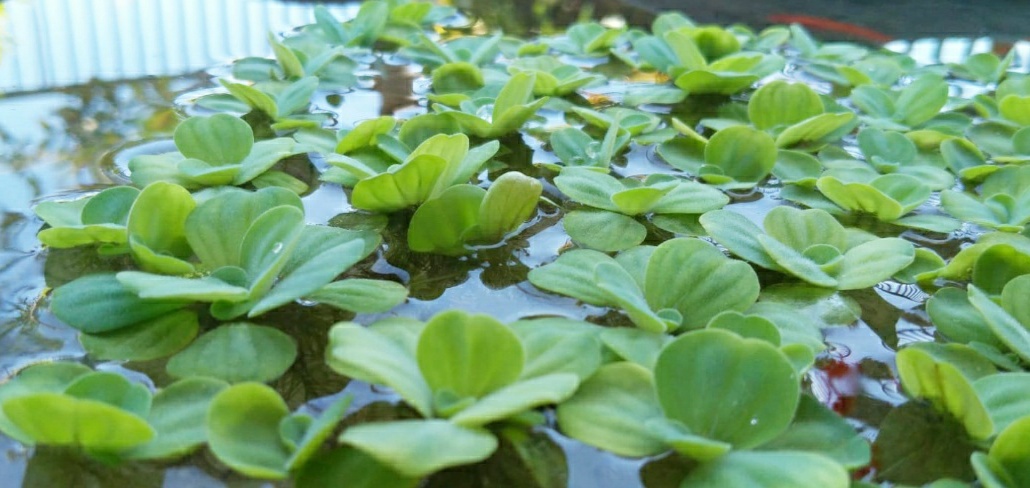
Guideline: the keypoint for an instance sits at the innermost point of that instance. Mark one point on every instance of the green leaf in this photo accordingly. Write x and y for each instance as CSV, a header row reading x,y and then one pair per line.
x,y
609,411
696,279
152,339
321,254
940,382
819,430
739,235
361,295
156,228
417,448
1004,396
697,370
243,430
468,355
369,356
216,227
220,139
268,244
603,230
112,389
46,377
559,345
817,131
509,202
869,263
781,104
62,420
236,353
159,287
572,274
742,153
443,224
917,445
921,100
365,134
1011,454
409,185
635,345
756,469
347,466
317,432
253,97
625,291
178,415
957,320
517,398
999,265
1005,327
100,303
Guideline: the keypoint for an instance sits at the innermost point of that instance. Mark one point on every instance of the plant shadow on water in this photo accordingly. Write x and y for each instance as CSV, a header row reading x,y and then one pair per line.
x,y
853,371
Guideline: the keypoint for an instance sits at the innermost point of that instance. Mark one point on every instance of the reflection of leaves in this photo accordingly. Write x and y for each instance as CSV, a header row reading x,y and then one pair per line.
x,y
530,460
917,445
667,471
51,467
879,315
65,265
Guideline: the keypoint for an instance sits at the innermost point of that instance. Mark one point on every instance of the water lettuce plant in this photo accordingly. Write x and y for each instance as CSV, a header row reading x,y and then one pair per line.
x,y
796,115
219,150
810,245
296,60
467,214
733,158
747,363
609,225
105,414
552,77
440,162
460,387
493,117
1003,202
769,433
254,254
681,283
576,148
285,104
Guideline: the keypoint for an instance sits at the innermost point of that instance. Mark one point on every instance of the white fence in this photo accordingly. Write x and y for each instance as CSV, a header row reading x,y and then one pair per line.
x,y
50,43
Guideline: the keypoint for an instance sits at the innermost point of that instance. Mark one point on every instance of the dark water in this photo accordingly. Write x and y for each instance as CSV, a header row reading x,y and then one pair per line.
x,y
67,142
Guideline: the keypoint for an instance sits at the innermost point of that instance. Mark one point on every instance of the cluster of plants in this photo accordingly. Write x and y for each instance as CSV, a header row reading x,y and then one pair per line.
x,y
707,324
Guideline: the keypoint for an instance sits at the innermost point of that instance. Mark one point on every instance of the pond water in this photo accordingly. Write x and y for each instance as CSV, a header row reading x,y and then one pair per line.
x,y
59,142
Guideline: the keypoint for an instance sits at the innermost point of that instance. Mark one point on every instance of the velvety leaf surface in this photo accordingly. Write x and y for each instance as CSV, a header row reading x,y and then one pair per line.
x,y
218,139
469,355
946,388
417,448
753,469
100,303
236,353
699,369
178,415
243,430
609,410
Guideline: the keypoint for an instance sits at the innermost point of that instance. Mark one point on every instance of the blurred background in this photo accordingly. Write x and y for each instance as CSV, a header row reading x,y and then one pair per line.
x,y
48,43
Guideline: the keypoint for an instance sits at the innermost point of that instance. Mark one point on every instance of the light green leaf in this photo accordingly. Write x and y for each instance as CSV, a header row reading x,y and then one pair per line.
x,y
417,448
696,371
818,429
62,420
157,228
742,153
369,356
739,235
1004,396
610,409
220,139
781,104
100,303
445,223
943,385
236,353
757,469
509,202
468,355
159,287
409,185
696,279
243,430
867,264
178,415
559,345
1005,327
603,230
152,339
268,244
361,295
518,397
572,274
